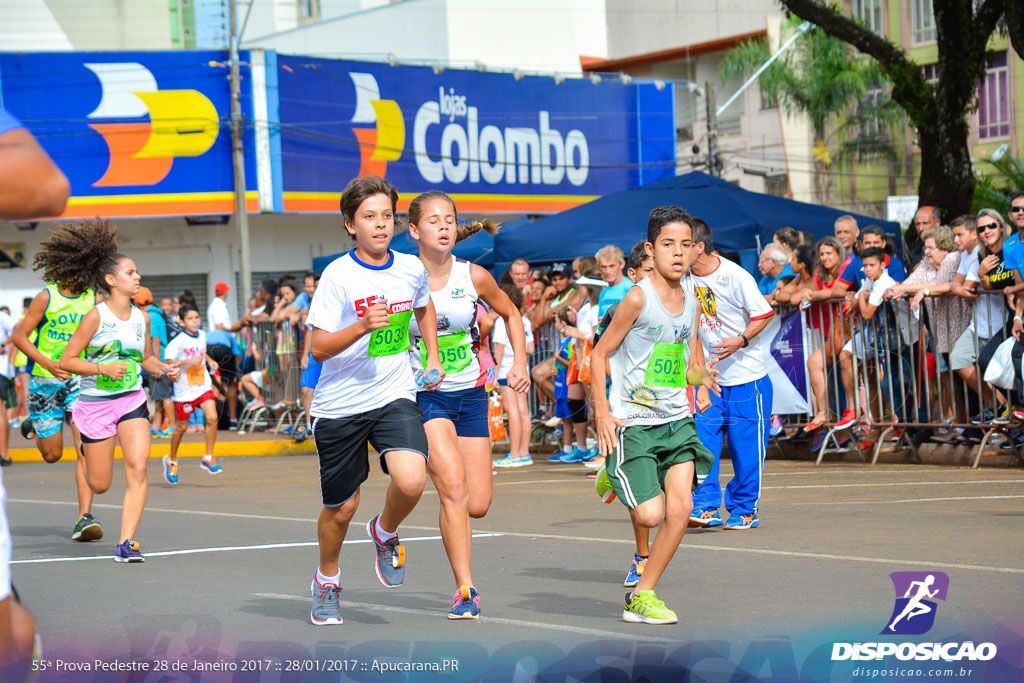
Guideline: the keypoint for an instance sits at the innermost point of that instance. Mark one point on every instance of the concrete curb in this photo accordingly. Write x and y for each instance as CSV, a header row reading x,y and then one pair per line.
x,y
223,449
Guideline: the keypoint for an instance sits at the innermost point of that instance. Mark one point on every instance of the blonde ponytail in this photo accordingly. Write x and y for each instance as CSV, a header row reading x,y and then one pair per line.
x,y
469,229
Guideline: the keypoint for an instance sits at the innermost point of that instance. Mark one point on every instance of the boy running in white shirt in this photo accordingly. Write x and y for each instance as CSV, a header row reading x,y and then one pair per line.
x,y
359,318
193,391
645,428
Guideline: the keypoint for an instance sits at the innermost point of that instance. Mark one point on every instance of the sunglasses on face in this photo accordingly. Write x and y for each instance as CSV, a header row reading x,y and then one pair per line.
x,y
987,227
1017,209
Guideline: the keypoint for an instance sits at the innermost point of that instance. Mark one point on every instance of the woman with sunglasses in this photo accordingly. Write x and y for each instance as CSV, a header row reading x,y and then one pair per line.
x,y
991,313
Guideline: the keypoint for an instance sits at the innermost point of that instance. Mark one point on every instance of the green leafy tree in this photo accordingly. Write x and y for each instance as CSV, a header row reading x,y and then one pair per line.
x,y
819,76
938,115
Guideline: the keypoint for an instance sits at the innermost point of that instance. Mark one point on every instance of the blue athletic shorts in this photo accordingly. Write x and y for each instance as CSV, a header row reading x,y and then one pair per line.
x,y
503,382
466,409
311,375
562,408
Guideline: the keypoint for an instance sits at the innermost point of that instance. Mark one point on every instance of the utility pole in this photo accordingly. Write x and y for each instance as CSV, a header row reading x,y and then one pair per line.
x,y
709,101
238,157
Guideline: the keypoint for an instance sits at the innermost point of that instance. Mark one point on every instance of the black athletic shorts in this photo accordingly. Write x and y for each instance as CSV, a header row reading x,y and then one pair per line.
x,y
341,445
225,360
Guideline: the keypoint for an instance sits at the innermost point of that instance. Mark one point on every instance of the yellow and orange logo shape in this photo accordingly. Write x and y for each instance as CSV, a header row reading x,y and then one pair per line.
x,y
386,140
182,123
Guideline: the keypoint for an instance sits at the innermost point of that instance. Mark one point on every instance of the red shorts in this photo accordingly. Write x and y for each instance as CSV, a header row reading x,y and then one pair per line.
x,y
185,410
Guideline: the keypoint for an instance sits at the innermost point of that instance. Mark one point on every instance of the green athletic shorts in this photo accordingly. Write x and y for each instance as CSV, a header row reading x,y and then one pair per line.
x,y
644,454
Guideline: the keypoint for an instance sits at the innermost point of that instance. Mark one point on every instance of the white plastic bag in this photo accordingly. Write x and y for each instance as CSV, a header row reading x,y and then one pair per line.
x,y
1000,368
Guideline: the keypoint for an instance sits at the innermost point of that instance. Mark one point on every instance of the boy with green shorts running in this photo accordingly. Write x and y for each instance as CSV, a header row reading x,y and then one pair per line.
x,y
645,427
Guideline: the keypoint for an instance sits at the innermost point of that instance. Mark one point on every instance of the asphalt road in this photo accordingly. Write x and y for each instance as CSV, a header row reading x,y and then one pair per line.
x,y
229,562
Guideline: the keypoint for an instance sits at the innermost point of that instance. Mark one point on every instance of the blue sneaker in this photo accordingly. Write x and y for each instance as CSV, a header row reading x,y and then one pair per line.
x,y
210,465
704,519
636,570
170,470
466,604
742,521
577,455
557,457
128,552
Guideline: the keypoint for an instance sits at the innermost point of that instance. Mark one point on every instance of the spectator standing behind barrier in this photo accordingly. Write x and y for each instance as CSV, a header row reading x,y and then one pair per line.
x,y
731,314
803,268
561,295
927,218
870,297
831,255
520,273
217,315
160,388
947,316
581,265
1013,251
990,311
852,276
610,261
774,265
789,240
848,233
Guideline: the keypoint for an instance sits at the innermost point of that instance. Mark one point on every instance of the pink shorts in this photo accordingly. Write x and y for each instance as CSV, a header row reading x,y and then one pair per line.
x,y
98,420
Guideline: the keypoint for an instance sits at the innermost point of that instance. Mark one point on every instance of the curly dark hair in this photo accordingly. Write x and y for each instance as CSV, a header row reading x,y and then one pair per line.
x,y
78,255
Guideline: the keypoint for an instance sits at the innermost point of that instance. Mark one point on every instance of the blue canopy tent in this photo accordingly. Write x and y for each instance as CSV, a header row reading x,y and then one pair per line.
x,y
479,248
736,216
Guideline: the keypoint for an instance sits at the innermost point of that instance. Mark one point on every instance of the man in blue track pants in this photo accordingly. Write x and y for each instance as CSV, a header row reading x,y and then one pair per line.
x,y
733,313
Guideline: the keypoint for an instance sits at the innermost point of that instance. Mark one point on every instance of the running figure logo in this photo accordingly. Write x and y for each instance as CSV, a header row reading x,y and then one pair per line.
x,y
914,612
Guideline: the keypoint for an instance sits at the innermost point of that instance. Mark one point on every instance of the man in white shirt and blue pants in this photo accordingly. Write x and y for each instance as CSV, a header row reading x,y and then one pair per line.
x,y
733,313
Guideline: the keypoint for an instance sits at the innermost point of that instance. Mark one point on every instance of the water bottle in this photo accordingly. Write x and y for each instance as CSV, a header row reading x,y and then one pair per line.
x,y
429,377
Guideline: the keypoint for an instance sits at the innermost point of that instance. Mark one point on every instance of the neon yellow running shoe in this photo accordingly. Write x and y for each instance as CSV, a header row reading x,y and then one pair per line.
x,y
604,486
646,608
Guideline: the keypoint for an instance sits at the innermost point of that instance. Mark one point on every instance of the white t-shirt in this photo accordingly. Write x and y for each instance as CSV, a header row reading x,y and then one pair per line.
x,y
729,299
500,336
876,297
989,310
354,381
969,262
6,362
587,318
194,380
217,313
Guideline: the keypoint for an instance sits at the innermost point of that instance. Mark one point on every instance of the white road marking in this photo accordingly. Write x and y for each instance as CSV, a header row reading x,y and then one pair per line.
x,y
695,546
898,483
903,500
196,551
377,607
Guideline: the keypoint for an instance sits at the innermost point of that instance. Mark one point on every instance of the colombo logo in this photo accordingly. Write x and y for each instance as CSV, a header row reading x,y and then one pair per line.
x,y
383,142
182,123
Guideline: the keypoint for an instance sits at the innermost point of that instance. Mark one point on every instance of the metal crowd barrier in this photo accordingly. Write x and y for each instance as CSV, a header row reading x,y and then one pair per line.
x,y
277,350
546,339
898,366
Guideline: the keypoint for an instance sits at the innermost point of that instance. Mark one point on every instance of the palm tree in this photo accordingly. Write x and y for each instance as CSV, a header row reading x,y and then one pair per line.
x,y
819,76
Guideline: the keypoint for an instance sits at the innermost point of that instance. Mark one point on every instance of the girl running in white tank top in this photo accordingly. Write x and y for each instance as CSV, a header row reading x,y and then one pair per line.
x,y
455,416
115,339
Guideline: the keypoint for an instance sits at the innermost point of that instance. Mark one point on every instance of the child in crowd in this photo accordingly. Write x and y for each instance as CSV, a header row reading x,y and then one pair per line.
x,y
193,391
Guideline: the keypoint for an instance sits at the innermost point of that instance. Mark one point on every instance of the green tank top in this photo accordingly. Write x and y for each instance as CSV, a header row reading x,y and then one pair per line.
x,y
62,317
